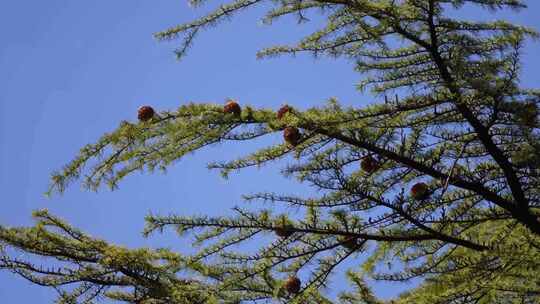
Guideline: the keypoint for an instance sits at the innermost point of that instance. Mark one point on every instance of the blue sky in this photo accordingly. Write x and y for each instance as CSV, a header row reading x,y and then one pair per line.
x,y
72,70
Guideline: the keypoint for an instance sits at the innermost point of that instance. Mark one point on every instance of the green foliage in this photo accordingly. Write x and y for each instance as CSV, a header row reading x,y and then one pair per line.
x,y
461,124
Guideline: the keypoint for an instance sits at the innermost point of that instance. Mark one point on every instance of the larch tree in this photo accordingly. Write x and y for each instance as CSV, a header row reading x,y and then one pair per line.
x,y
439,176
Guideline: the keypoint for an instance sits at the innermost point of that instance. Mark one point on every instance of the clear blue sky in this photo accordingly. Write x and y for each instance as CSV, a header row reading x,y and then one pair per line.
x,y
71,70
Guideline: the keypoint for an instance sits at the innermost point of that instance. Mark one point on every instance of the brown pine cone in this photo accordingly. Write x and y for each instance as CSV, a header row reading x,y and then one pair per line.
x,y
145,113
292,136
232,107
